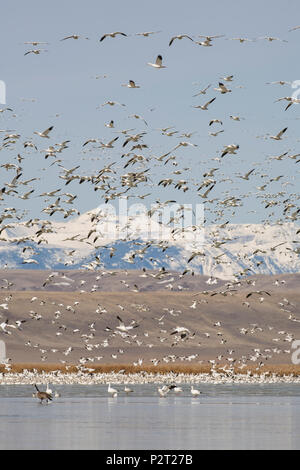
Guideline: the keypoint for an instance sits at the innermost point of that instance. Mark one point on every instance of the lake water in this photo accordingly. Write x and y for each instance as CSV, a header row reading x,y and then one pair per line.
x,y
85,417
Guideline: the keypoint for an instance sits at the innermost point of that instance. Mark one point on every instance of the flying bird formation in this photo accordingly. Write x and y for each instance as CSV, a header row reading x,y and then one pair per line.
x,y
168,159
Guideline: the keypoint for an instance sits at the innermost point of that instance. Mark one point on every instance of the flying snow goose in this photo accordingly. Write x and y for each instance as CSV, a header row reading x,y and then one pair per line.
x,y
204,106
44,133
131,84
122,326
35,51
73,36
180,36
35,43
158,63
229,78
279,135
202,92
112,35
230,149
147,33
222,89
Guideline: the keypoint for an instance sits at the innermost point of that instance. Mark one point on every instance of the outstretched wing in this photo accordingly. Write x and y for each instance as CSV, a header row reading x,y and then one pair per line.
x,y
158,60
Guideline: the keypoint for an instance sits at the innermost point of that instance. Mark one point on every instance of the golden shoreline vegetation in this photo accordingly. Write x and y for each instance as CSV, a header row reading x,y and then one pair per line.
x,y
277,369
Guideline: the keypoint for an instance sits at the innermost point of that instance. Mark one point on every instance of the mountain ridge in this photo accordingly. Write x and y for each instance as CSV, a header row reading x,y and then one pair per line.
x,y
221,251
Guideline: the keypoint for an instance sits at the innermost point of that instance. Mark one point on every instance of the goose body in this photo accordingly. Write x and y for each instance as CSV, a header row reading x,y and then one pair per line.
x,y
195,392
158,63
112,391
43,395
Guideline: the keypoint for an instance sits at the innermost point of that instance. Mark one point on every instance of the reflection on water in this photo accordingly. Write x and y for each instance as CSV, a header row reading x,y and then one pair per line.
x,y
84,417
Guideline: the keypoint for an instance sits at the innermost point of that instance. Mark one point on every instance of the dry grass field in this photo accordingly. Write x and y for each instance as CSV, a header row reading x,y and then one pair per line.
x,y
81,327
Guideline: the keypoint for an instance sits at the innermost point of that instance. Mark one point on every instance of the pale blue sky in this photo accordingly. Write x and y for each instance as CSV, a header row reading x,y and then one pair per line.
x,y
62,80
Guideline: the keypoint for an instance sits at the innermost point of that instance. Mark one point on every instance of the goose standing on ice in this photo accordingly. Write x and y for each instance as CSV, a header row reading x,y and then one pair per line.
x,y
43,395
194,391
112,391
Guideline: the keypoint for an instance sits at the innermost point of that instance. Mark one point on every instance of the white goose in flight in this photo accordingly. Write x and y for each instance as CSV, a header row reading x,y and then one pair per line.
x,y
73,36
204,106
109,144
230,149
147,33
35,43
204,43
209,38
131,84
222,89
279,135
180,36
215,134
202,92
158,63
271,39
44,133
35,51
112,35
122,326
246,176
241,40
215,121
229,78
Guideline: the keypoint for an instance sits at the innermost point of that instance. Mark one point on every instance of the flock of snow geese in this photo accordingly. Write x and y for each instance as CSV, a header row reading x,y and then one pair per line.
x,y
149,170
